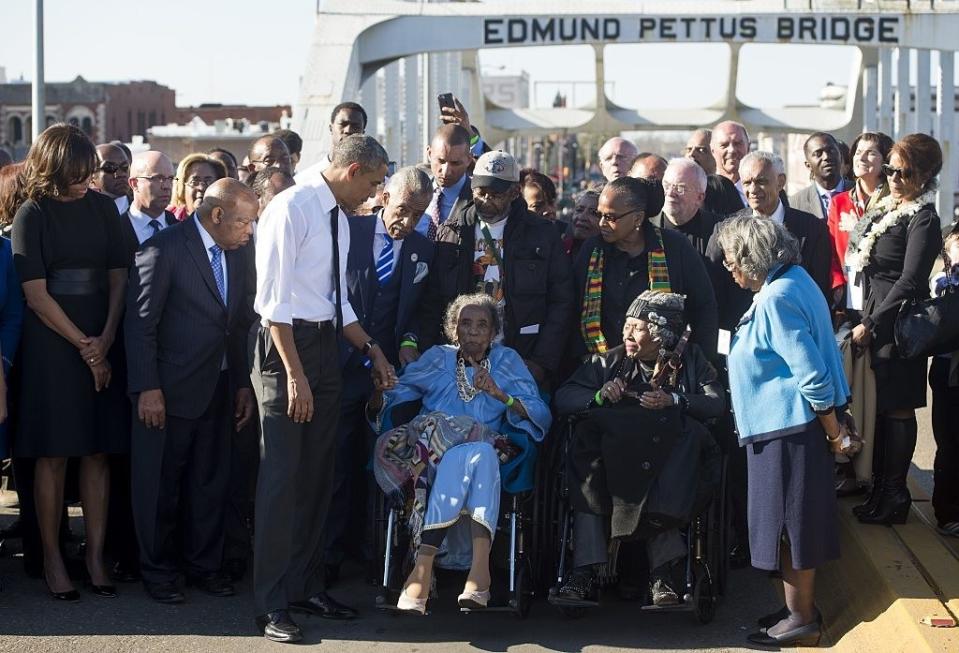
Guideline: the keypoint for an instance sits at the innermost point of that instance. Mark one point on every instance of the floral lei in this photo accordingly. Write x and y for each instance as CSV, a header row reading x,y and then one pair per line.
x,y
868,231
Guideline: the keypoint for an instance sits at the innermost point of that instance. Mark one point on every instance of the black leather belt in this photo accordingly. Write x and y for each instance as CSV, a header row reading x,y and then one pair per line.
x,y
77,281
309,324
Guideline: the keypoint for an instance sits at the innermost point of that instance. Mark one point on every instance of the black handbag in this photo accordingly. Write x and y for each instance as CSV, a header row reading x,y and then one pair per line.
x,y
928,327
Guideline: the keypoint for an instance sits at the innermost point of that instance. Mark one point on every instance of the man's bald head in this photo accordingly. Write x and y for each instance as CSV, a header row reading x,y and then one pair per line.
x,y
151,178
227,211
112,176
648,166
270,152
616,156
697,149
729,144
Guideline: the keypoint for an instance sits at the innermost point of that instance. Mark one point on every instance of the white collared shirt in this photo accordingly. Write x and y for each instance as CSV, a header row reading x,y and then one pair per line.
x,y
379,240
208,242
313,175
294,258
778,216
141,223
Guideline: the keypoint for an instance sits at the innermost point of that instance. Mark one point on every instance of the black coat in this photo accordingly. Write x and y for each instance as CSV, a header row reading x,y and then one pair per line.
x,y
816,251
698,230
687,276
722,197
538,292
899,269
176,327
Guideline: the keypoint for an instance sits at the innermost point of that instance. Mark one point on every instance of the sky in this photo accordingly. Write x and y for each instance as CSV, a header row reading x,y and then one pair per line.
x,y
253,52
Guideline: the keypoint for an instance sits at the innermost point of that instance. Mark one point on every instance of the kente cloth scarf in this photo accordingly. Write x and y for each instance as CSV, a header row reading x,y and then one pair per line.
x,y
591,325
405,458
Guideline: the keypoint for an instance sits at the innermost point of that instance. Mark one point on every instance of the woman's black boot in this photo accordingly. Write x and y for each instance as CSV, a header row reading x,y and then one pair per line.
x,y
872,500
894,499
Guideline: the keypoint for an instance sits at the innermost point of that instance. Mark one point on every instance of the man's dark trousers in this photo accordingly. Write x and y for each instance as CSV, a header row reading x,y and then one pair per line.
x,y
296,468
185,493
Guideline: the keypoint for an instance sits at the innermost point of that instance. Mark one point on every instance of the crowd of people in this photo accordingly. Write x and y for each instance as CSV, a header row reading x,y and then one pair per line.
x,y
227,362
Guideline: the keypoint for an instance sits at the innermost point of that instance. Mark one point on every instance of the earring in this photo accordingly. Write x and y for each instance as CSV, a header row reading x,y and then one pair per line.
x,y
56,192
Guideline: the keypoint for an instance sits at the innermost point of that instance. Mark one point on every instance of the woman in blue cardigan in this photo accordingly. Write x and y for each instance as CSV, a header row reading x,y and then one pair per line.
x,y
787,384
11,319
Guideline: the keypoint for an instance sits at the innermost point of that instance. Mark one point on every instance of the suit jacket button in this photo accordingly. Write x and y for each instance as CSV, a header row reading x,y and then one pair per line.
x,y
646,465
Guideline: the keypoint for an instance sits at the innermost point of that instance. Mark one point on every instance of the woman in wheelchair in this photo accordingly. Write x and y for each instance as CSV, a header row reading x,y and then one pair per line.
x,y
476,397
638,400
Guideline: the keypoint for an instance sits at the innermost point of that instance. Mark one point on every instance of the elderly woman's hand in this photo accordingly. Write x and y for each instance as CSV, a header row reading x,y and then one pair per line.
x,y
613,390
656,399
483,380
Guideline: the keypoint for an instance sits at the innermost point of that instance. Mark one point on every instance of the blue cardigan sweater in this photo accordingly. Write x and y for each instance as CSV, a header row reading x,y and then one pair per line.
x,y
784,363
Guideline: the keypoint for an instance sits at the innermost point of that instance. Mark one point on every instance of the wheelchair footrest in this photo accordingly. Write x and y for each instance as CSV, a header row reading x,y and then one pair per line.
x,y
677,607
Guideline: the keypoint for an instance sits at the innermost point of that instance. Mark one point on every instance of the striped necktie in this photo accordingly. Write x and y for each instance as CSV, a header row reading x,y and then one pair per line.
x,y
384,262
434,212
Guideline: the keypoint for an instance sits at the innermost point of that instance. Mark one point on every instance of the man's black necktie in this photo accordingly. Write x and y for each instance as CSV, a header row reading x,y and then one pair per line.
x,y
335,226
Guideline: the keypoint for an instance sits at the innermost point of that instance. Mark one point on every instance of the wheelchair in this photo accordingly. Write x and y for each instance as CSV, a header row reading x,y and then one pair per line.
x,y
512,558
706,535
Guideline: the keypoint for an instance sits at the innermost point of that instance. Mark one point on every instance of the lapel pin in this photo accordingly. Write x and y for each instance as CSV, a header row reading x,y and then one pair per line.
x,y
414,257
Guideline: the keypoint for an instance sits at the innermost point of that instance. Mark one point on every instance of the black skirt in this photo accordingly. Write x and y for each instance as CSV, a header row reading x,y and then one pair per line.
x,y
791,494
900,383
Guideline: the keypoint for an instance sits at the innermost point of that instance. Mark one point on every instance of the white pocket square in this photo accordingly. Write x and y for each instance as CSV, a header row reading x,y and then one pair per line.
x,y
422,269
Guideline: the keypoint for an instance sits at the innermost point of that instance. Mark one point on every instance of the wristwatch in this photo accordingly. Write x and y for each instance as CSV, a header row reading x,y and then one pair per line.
x,y
368,347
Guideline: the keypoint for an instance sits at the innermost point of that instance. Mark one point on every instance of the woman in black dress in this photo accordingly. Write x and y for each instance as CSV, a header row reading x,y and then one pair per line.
x,y
895,247
69,255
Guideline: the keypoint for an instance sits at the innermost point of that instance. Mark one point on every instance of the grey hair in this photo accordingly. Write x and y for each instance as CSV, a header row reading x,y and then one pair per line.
x,y
682,163
763,157
756,245
452,315
410,182
361,149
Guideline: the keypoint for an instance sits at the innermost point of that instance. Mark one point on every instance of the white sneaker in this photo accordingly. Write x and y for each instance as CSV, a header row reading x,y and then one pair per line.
x,y
411,605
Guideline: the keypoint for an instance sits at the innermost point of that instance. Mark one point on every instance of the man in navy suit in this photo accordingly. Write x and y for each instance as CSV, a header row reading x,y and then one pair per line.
x,y
187,317
385,273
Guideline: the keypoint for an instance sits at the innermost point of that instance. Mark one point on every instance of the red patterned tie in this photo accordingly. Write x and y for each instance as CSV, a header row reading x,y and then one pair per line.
x,y
434,212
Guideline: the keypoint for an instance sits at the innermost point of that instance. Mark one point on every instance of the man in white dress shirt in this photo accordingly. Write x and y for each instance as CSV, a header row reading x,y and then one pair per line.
x,y
303,241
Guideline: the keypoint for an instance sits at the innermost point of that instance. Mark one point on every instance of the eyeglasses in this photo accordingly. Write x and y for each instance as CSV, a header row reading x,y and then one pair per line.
x,y
679,188
110,168
890,171
699,149
200,182
159,179
612,218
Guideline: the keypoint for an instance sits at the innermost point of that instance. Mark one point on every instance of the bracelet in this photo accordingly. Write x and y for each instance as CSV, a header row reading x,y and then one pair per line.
x,y
510,401
835,439
409,343
598,397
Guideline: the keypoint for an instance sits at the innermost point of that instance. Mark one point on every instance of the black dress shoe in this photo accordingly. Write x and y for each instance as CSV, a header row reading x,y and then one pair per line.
x,y
773,618
106,591
125,573
167,593
70,596
277,626
323,605
235,569
213,584
808,635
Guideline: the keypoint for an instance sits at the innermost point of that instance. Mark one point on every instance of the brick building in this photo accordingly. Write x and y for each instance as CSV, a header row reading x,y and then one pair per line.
x,y
103,110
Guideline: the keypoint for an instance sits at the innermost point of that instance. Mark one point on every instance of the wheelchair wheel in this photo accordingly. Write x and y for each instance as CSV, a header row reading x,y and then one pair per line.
x,y
704,599
522,599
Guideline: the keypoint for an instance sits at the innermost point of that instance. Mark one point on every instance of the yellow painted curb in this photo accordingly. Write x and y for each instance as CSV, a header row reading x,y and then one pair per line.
x,y
888,578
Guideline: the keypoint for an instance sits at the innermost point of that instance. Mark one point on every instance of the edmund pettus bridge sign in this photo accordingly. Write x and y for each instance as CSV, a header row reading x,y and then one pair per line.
x,y
355,39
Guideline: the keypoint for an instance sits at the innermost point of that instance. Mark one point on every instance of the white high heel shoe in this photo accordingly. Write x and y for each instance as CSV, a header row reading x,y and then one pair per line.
x,y
473,600
411,605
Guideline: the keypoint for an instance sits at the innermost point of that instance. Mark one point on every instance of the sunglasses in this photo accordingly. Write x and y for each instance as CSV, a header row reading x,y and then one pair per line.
x,y
113,168
890,171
